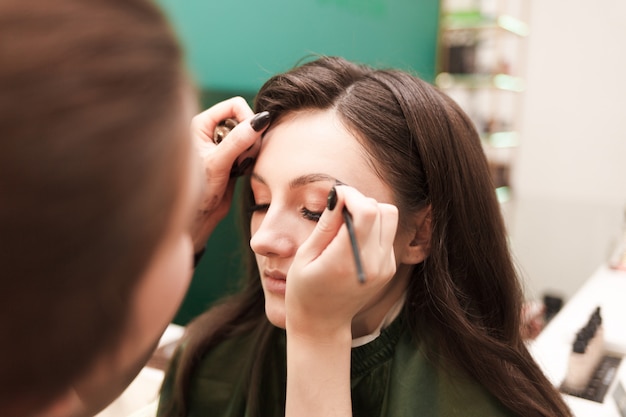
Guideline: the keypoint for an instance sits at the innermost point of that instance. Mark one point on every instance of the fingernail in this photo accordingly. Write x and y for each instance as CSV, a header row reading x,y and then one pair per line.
x,y
260,121
331,202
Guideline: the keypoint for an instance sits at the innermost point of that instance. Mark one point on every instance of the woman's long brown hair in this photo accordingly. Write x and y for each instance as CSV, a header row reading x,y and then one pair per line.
x,y
464,300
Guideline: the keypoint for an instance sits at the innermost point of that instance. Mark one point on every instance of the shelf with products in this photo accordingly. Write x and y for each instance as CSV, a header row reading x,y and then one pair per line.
x,y
500,140
503,82
476,20
479,61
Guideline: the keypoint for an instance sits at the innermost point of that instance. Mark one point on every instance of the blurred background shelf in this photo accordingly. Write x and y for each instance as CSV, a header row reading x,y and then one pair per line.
x,y
475,20
480,55
475,81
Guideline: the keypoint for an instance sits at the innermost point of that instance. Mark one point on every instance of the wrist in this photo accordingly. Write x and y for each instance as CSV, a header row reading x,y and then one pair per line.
x,y
319,333
318,372
200,237
197,256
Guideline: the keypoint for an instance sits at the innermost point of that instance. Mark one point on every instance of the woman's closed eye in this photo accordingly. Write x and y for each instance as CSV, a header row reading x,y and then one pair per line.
x,y
259,208
311,215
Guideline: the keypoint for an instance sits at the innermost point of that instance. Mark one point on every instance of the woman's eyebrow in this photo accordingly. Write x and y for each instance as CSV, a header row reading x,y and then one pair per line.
x,y
310,178
301,180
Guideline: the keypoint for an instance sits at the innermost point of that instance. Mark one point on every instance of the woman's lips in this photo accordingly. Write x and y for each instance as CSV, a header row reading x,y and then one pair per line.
x,y
275,281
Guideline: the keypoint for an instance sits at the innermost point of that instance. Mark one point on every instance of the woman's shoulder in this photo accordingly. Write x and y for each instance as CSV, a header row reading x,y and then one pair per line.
x,y
225,359
216,382
427,389
462,396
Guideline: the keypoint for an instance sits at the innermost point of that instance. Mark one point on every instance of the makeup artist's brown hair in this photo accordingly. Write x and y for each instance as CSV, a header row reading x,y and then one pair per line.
x,y
464,300
90,116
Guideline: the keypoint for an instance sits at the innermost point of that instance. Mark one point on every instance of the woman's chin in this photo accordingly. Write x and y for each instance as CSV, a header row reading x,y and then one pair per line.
x,y
275,314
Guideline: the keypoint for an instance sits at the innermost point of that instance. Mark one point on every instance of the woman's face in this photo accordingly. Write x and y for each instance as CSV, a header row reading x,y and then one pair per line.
x,y
300,160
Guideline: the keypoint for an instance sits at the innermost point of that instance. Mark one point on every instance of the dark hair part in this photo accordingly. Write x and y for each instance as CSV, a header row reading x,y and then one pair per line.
x,y
464,301
90,110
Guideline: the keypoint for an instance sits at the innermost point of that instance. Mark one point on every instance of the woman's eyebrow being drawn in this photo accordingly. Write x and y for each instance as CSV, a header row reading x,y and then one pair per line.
x,y
303,180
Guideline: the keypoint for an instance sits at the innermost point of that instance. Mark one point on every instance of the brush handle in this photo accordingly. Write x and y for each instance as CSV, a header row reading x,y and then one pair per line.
x,y
347,218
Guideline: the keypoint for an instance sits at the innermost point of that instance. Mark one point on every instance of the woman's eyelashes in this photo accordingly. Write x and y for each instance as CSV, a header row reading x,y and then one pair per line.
x,y
307,214
259,208
311,215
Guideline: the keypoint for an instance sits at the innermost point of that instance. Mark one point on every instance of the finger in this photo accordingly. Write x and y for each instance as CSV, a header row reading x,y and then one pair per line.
x,y
364,212
325,231
242,144
375,228
388,224
388,229
203,124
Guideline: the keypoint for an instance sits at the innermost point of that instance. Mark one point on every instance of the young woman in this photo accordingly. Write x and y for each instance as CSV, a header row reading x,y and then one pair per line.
x,y
435,328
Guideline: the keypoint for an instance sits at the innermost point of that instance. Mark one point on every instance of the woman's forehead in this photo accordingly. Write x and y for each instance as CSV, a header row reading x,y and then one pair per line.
x,y
316,143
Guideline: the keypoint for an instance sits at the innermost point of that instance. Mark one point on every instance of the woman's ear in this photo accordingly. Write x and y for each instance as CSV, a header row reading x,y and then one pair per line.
x,y
418,246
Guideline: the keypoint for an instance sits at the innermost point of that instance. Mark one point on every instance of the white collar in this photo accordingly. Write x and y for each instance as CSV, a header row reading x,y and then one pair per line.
x,y
391,315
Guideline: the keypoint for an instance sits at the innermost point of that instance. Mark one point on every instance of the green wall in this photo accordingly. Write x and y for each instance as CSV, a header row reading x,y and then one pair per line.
x,y
237,44
233,46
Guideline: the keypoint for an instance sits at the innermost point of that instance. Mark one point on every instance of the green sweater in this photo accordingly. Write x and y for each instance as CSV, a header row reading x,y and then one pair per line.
x,y
391,377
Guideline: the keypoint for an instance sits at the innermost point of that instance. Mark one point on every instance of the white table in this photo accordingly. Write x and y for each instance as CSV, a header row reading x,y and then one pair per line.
x,y
606,288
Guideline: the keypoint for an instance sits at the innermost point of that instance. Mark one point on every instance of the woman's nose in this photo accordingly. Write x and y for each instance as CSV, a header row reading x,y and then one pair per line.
x,y
274,236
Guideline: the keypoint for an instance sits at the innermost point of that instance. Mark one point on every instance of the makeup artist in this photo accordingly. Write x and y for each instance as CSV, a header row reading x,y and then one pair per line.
x,y
99,182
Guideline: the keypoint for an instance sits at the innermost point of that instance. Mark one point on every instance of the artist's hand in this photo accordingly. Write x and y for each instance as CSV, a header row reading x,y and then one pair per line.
x,y
218,159
323,293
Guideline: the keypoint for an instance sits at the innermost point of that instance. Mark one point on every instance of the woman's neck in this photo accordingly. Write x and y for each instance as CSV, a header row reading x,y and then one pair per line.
x,y
369,319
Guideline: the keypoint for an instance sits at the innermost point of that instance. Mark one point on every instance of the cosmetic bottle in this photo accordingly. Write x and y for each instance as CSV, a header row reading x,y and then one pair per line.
x,y
587,352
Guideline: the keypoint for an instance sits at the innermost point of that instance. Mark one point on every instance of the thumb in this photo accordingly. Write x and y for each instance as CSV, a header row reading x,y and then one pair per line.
x,y
325,231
